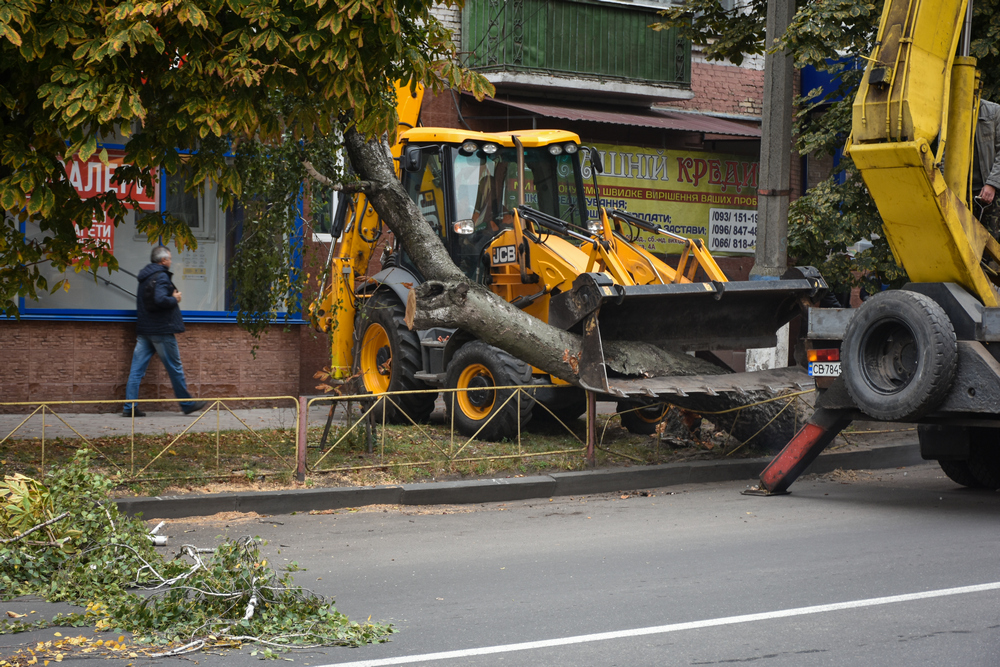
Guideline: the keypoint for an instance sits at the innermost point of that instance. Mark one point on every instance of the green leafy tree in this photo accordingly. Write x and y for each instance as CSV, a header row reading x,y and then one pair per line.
x,y
833,36
234,92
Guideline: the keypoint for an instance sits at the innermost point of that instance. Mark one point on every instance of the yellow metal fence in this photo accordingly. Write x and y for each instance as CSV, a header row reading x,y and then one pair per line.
x,y
147,453
289,446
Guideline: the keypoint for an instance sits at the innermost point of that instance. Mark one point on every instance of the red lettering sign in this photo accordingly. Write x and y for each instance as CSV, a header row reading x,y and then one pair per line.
x,y
100,235
92,178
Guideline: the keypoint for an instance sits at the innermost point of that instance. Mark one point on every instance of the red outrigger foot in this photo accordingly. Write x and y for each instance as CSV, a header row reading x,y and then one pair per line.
x,y
801,451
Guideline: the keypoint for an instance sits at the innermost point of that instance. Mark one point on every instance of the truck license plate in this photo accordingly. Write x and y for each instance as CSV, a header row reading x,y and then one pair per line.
x,y
824,369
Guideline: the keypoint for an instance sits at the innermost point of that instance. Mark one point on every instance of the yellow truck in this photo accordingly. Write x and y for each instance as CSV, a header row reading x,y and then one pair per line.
x,y
928,353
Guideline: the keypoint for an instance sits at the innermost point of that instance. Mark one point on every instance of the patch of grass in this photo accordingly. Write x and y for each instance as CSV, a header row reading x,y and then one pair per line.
x,y
157,464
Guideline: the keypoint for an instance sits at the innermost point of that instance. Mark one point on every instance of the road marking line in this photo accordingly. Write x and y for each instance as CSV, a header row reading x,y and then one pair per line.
x,y
675,627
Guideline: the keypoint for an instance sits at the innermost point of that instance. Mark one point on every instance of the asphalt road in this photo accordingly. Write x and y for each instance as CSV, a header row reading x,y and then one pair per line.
x,y
690,575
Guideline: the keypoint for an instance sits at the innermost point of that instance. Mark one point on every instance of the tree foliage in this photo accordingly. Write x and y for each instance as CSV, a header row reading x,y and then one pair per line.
x,y
833,36
203,85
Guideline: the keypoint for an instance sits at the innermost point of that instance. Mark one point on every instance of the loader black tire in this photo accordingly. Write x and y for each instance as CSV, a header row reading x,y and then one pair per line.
x,y
477,368
645,419
899,355
569,405
386,356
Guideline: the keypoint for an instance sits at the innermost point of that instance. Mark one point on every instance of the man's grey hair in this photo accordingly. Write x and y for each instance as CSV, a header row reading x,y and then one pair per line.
x,y
159,254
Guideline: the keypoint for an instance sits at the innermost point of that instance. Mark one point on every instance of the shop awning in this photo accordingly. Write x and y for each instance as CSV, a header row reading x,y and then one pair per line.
x,y
655,118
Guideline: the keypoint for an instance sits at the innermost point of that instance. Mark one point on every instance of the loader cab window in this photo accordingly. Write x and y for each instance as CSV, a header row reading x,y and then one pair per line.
x,y
558,186
485,197
486,194
426,188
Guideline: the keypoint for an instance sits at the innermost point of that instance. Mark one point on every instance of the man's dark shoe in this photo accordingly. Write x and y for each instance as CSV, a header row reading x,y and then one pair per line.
x,y
130,412
195,408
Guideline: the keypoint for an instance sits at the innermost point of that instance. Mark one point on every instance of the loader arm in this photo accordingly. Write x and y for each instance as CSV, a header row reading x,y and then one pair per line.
x,y
359,228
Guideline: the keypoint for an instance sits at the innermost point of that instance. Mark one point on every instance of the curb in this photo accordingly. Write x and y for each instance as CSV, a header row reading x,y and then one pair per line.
x,y
504,489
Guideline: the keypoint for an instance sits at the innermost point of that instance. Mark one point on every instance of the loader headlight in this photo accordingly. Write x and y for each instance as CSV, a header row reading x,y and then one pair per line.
x,y
555,149
469,147
490,149
595,226
571,148
464,226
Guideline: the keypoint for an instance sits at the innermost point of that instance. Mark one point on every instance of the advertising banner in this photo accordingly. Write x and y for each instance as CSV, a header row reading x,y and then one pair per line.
x,y
100,234
709,196
92,178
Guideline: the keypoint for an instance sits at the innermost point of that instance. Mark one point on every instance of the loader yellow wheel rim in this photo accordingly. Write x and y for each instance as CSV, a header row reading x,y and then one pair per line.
x,y
376,359
477,400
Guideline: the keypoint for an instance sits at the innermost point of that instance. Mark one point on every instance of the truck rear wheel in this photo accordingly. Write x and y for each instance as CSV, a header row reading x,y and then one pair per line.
x,y
645,419
899,354
960,473
982,469
386,357
478,369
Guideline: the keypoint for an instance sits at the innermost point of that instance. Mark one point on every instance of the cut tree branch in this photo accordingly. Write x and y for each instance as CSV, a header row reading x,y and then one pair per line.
x,y
33,529
367,187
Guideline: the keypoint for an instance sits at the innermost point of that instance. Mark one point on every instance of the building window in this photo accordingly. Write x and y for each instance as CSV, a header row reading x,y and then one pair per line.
x,y
200,274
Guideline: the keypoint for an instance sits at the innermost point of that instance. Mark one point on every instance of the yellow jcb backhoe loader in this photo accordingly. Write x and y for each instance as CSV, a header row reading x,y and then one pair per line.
x,y
512,211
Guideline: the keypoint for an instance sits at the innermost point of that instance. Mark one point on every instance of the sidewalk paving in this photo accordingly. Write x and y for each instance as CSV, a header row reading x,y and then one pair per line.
x,y
159,421
98,425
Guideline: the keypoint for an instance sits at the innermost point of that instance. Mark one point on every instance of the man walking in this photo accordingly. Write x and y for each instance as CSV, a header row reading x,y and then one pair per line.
x,y
158,318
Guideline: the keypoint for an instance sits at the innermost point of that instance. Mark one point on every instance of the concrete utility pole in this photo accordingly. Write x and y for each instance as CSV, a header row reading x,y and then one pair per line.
x,y
774,186
775,149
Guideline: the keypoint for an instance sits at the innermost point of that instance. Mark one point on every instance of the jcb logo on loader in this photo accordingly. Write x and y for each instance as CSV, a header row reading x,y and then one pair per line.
x,y
505,254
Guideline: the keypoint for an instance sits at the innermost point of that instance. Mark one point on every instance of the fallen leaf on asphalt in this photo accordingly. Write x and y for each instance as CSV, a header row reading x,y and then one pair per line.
x,y
14,614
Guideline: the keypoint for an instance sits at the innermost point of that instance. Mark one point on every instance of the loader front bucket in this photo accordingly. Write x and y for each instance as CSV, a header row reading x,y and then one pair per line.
x,y
686,316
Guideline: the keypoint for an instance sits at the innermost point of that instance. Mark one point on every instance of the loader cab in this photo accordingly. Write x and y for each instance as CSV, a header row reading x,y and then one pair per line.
x,y
467,188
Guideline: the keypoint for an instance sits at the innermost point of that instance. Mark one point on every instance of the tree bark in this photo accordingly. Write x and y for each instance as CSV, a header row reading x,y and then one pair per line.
x,y
448,299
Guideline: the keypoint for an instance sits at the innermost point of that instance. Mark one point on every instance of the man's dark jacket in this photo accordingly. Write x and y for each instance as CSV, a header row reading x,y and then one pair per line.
x,y
157,312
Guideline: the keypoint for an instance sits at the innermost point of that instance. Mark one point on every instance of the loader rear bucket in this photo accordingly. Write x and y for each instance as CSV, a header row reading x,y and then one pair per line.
x,y
688,316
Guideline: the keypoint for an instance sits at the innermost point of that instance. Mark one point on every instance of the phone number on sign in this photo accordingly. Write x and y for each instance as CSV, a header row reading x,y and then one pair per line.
x,y
732,230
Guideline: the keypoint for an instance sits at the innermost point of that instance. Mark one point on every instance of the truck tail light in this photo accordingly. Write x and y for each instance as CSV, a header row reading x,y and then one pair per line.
x,y
832,354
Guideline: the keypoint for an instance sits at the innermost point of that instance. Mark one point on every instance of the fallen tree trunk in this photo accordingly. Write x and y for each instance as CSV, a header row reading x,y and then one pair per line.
x,y
448,299
479,311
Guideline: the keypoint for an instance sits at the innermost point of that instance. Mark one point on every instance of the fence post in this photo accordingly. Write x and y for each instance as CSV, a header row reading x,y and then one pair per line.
x,y
300,444
591,429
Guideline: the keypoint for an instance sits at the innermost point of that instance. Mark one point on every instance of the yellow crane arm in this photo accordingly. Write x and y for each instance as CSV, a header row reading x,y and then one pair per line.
x,y
912,136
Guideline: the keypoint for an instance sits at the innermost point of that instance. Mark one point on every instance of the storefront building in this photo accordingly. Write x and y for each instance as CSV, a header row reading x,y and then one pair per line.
x,y
679,139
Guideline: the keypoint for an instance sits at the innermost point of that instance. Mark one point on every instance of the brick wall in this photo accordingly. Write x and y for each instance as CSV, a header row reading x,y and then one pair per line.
x,y
451,18
61,361
726,89
439,110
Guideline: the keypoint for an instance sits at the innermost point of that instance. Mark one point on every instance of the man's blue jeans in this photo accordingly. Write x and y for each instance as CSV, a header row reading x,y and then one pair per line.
x,y
165,347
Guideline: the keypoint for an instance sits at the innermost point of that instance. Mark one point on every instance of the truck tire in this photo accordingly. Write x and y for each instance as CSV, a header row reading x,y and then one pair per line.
x,y
899,355
387,354
479,368
960,473
644,420
982,468
984,456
